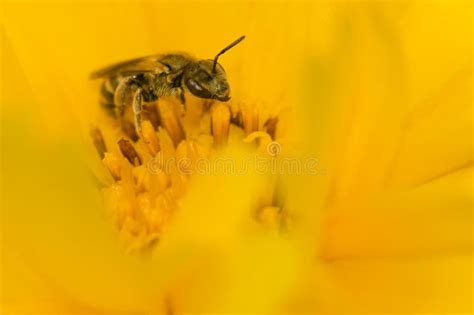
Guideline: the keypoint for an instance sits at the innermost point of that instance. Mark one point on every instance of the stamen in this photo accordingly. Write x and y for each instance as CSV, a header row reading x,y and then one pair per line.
x,y
132,227
170,122
129,152
150,112
189,151
150,137
250,119
220,116
158,164
262,140
270,126
112,162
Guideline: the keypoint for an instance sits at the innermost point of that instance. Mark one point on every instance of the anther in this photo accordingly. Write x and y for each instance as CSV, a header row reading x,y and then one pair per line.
x,y
150,137
220,116
250,119
170,122
98,141
129,152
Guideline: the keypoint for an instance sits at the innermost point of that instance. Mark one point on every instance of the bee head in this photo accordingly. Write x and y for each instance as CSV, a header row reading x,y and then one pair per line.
x,y
207,78
203,83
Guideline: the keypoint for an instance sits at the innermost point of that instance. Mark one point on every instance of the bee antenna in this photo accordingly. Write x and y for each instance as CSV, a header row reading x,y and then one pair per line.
x,y
235,42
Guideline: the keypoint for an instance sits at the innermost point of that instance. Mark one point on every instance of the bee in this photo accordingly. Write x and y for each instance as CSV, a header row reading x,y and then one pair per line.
x,y
146,79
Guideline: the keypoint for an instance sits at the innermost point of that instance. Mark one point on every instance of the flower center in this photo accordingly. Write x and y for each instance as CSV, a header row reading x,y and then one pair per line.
x,y
150,172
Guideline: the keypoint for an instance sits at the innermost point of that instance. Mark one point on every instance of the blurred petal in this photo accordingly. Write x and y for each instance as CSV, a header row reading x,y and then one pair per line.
x,y
434,219
400,286
217,258
60,43
54,235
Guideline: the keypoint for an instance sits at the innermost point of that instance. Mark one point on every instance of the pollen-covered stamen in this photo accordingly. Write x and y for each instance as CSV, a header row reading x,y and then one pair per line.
x,y
220,118
112,162
187,154
250,118
150,137
129,152
171,122
152,170
150,112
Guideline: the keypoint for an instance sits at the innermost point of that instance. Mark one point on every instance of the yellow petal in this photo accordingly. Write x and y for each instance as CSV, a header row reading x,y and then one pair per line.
x,y
432,219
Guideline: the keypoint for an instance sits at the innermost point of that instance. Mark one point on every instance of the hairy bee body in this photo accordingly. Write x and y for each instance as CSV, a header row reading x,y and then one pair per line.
x,y
146,79
164,80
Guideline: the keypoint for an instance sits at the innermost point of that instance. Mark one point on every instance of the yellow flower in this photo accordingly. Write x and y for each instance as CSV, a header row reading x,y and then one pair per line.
x,y
377,93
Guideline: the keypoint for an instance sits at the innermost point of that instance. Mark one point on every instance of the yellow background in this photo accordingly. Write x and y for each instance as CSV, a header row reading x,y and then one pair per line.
x,y
379,91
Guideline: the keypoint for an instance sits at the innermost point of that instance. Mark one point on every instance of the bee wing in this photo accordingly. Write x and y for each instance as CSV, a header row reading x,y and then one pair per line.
x,y
130,67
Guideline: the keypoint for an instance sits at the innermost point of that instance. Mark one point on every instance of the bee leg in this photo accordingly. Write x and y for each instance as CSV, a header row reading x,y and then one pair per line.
x,y
121,94
137,109
181,97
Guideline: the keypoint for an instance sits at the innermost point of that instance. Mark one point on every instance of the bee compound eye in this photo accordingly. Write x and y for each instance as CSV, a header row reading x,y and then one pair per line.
x,y
195,85
198,90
